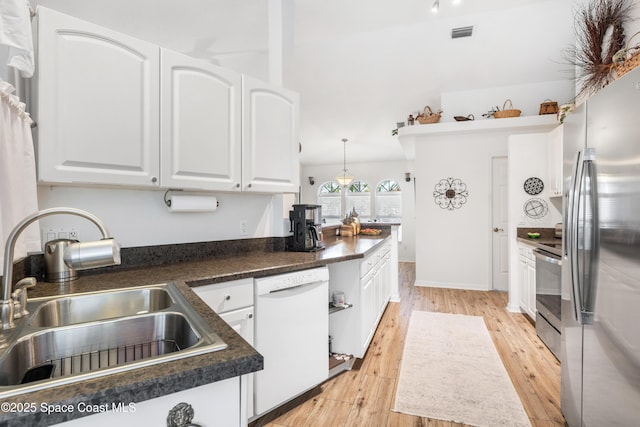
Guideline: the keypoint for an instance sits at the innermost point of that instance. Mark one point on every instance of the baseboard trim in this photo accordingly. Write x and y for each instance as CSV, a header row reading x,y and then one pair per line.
x,y
451,285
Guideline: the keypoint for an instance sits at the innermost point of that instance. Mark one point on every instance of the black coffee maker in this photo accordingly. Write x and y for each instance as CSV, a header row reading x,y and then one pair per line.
x,y
307,228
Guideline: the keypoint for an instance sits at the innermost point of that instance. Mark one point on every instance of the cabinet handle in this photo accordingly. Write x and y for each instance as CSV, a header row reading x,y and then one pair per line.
x,y
154,179
248,185
227,297
496,229
238,185
250,315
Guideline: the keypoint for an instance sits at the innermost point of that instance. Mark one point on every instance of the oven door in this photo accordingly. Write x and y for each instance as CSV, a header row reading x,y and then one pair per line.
x,y
548,299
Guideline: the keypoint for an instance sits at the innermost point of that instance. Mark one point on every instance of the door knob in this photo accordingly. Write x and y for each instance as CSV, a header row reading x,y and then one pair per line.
x,y
496,229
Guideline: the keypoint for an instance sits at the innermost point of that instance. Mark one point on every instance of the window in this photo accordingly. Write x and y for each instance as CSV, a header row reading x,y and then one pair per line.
x,y
329,197
358,196
385,205
388,201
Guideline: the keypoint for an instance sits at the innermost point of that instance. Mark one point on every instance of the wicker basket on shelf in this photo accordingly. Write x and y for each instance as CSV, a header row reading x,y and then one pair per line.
x,y
427,116
627,59
507,112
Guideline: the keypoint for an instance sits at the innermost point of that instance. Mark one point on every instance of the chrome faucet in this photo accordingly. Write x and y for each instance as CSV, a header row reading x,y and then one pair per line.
x,y
81,256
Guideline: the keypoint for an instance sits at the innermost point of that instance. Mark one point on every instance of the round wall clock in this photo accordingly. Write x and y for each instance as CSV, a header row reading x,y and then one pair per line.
x,y
533,186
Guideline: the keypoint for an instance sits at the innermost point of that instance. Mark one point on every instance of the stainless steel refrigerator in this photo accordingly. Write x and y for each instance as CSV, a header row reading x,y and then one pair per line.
x,y
600,349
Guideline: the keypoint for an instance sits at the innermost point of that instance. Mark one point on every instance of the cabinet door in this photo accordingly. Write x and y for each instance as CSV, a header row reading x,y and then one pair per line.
x,y
555,162
270,140
386,280
200,124
524,282
242,322
215,405
367,311
531,278
97,104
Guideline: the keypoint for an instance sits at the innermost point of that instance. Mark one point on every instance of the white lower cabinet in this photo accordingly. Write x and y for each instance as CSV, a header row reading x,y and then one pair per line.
x,y
367,306
214,405
367,286
233,302
527,276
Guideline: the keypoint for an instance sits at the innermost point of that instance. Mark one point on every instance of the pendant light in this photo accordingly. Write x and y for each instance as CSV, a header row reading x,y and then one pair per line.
x,y
344,178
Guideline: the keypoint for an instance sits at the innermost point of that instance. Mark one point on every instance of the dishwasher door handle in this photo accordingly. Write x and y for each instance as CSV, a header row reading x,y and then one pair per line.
x,y
291,288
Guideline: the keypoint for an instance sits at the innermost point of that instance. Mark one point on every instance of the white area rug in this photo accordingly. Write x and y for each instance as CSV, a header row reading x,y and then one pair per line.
x,y
451,371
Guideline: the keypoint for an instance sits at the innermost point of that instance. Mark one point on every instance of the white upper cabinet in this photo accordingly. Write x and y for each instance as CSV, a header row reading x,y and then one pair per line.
x,y
555,162
200,110
270,142
97,109
115,110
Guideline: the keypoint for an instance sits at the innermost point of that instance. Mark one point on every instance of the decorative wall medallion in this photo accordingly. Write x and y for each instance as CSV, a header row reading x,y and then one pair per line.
x,y
535,208
450,194
533,186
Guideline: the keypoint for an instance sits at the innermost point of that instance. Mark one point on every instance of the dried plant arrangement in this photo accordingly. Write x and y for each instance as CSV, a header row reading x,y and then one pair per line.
x,y
598,22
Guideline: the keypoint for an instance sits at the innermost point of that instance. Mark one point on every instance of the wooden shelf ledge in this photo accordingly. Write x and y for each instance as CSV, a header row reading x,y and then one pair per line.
x,y
515,125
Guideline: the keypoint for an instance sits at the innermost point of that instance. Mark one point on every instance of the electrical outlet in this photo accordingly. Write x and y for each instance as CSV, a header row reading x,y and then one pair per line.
x,y
73,234
244,228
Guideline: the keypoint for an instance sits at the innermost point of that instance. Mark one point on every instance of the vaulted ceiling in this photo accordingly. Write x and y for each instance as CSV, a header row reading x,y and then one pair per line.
x,y
360,65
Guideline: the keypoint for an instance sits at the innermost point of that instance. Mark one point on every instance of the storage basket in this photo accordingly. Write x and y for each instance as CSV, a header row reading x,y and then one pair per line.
x,y
427,116
507,112
548,107
627,59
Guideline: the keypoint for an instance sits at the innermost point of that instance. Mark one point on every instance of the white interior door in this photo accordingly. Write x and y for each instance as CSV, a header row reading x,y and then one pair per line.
x,y
500,222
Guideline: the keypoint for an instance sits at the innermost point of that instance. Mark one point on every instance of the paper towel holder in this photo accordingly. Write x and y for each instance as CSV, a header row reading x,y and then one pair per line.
x,y
205,197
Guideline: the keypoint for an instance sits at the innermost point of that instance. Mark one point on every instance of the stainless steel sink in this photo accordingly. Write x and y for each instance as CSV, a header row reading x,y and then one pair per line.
x,y
158,326
84,308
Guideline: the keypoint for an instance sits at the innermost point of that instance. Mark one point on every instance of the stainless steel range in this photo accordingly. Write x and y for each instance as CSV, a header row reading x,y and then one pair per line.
x,y
548,298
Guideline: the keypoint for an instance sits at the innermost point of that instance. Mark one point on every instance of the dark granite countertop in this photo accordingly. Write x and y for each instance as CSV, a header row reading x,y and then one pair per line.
x,y
154,381
547,240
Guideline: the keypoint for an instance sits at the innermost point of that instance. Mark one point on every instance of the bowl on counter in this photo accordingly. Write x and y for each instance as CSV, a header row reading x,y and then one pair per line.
x,y
533,235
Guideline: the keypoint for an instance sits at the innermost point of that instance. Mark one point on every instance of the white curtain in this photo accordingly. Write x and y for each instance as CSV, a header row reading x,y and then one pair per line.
x,y
18,189
16,41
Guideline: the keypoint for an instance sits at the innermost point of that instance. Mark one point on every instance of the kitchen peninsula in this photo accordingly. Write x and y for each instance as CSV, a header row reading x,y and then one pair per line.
x,y
212,263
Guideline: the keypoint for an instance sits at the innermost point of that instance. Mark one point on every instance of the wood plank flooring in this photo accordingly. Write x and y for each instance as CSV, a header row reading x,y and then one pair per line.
x,y
364,396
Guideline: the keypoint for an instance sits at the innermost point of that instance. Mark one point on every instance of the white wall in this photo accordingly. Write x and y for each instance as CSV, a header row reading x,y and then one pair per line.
x,y
372,173
527,158
453,247
140,217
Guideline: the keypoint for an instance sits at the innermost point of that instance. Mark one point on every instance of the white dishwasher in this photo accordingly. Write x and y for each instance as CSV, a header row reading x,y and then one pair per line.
x,y
291,332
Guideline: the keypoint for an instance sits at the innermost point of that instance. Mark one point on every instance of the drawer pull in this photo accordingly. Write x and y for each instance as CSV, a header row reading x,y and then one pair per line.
x,y
227,297
250,316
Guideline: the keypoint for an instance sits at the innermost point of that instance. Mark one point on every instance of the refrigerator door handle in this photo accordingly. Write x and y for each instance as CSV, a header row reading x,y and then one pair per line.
x,y
592,237
571,240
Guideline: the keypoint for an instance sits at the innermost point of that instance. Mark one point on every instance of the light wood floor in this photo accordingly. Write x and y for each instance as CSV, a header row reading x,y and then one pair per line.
x,y
364,397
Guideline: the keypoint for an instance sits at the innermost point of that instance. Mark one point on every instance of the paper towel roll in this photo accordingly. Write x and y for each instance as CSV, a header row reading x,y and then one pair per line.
x,y
193,203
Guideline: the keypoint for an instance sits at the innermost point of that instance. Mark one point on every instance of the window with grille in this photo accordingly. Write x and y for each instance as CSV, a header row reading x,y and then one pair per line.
x,y
358,196
388,201
329,197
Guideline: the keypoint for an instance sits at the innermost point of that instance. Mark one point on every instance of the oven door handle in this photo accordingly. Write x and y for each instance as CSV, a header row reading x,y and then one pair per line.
x,y
552,260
